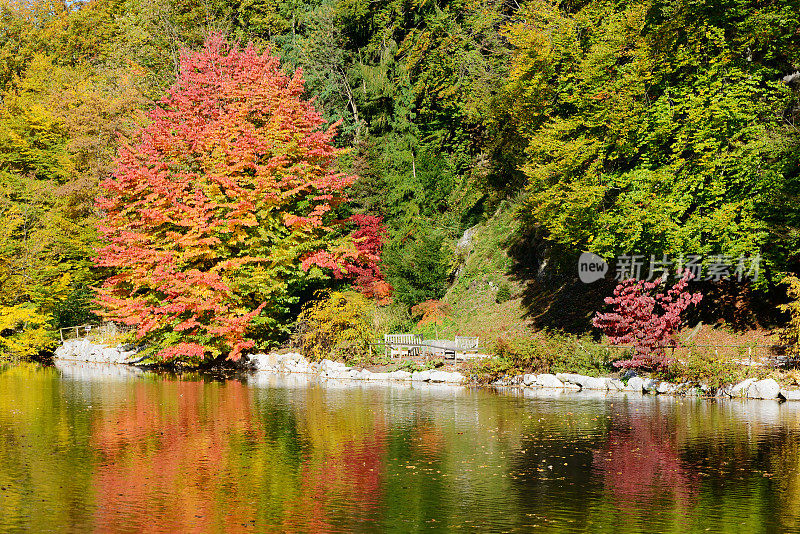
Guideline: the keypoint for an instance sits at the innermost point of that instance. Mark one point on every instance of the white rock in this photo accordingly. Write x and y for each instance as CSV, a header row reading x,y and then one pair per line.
x,y
86,351
264,361
740,389
421,376
635,383
438,376
615,384
665,388
457,378
330,366
444,376
110,354
549,381
764,389
572,378
400,375
529,379
573,387
593,383
790,394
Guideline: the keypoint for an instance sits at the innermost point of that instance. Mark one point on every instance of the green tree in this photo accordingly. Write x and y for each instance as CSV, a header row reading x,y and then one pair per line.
x,y
658,127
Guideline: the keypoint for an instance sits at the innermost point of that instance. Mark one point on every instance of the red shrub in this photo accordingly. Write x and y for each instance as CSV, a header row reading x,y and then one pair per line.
x,y
645,320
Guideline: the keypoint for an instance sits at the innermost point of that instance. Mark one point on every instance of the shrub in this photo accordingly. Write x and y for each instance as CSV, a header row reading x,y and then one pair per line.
x,y
432,314
393,317
706,367
790,334
645,320
548,352
487,370
336,325
503,293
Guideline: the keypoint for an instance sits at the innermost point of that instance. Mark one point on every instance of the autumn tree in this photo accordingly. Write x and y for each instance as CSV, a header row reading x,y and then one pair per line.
x,y
222,209
646,319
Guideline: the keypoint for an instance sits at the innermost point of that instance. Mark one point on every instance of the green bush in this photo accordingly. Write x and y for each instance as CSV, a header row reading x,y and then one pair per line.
x,y
707,367
503,293
546,352
487,370
336,325
392,318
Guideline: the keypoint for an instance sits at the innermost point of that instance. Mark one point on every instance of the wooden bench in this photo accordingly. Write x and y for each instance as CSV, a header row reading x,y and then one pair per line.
x,y
465,344
402,344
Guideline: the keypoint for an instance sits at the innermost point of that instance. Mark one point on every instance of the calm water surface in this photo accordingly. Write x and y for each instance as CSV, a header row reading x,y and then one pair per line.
x,y
88,448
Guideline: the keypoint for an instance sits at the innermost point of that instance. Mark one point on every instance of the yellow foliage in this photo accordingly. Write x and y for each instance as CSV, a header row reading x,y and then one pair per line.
x,y
791,333
336,325
23,332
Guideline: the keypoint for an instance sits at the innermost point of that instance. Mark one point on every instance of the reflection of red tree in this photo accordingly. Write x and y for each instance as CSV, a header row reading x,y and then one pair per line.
x,y
191,456
344,485
166,466
641,463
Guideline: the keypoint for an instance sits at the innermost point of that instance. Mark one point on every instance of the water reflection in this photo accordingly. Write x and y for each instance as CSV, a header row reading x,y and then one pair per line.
x,y
96,449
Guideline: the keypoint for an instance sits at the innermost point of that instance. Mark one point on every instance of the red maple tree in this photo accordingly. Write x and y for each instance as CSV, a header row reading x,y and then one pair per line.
x,y
214,207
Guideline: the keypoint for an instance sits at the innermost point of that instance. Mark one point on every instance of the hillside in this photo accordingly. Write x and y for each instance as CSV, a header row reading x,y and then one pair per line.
x,y
534,131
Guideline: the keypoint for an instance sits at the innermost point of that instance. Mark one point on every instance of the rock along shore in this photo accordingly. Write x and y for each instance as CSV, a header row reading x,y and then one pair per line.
x,y
85,351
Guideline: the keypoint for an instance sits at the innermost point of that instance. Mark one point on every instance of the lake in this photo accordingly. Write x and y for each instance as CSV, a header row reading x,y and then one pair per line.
x,y
103,448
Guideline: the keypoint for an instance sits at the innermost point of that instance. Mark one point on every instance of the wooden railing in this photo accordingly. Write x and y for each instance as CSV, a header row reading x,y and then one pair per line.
x,y
94,331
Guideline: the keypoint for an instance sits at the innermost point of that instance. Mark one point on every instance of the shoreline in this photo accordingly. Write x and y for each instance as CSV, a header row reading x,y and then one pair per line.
x,y
293,363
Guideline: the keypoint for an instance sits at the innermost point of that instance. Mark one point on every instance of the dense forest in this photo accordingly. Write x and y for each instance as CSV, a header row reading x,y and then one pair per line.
x,y
636,126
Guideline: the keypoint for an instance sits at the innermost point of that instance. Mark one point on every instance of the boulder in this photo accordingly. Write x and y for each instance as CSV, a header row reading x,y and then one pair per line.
x,y
529,379
764,389
438,376
665,388
572,378
299,365
740,389
594,383
790,394
331,366
615,384
628,373
549,381
84,350
264,362
457,378
421,376
400,375
636,384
